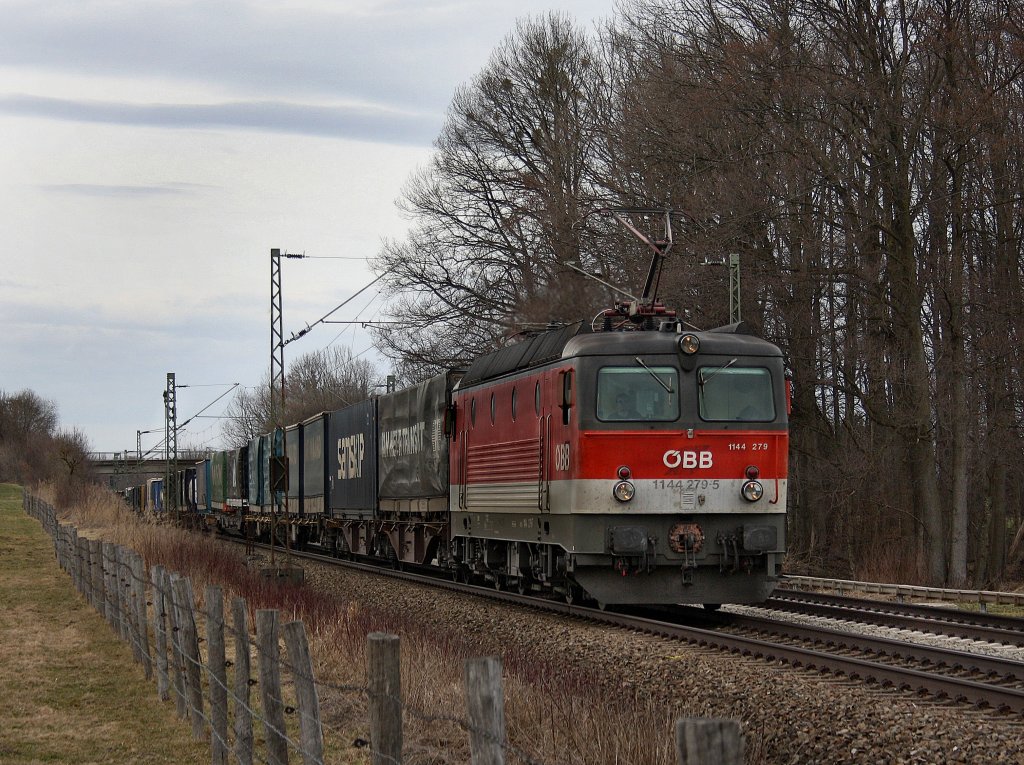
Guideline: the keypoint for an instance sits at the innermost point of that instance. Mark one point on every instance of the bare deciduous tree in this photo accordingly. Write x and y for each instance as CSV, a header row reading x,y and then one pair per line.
x,y
320,381
502,207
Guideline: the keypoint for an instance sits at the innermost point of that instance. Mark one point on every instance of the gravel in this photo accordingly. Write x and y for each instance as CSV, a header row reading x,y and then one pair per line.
x,y
788,715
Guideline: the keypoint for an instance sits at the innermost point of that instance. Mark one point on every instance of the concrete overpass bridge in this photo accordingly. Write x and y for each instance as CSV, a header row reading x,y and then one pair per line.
x,y
119,470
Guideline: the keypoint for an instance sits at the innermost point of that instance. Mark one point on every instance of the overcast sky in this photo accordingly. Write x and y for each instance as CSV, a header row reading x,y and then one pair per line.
x,y
152,152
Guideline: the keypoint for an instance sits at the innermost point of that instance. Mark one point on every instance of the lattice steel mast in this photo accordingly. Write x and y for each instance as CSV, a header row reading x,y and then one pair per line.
x,y
170,446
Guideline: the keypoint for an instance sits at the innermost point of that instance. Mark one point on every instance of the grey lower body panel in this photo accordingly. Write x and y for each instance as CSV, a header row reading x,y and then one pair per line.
x,y
666,585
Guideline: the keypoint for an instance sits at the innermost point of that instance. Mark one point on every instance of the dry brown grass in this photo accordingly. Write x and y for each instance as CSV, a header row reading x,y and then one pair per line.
x,y
553,714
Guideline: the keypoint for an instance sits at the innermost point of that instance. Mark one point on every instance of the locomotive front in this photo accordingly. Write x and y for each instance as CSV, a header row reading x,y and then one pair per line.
x,y
674,470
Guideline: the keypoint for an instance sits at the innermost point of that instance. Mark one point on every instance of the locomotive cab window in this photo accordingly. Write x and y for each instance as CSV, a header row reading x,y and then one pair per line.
x,y
638,394
735,394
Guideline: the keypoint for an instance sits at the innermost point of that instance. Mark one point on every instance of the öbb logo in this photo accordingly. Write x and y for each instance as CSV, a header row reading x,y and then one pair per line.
x,y
687,460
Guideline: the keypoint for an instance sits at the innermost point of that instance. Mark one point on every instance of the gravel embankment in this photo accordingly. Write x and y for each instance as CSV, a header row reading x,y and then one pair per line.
x,y
788,715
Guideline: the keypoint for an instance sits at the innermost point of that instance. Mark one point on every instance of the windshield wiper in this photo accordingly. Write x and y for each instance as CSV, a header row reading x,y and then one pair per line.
x,y
662,383
711,377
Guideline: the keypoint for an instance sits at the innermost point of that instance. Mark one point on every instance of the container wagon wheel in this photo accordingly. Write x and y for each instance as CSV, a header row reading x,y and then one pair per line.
x,y
524,585
389,553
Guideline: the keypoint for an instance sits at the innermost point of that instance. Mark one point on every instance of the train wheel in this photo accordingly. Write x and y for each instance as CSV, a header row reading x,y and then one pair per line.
x,y
712,606
523,585
499,583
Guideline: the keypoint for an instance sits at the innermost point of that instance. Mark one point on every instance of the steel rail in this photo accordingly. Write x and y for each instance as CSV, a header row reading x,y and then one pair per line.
x,y
984,664
982,597
970,626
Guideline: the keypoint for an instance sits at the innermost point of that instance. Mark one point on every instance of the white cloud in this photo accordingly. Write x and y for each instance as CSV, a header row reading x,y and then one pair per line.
x,y
154,151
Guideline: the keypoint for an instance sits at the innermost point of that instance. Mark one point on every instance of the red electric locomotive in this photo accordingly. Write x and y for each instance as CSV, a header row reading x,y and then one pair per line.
x,y
631,461
625,466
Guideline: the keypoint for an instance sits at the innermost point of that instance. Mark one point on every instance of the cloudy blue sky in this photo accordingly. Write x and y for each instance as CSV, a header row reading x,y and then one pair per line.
x,y
152,152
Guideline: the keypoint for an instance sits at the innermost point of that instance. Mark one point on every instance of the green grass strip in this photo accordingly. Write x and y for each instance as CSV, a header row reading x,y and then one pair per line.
x,y
70,689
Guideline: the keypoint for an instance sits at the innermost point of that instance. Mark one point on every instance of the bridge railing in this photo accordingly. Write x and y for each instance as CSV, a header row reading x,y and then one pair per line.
x,y
132,456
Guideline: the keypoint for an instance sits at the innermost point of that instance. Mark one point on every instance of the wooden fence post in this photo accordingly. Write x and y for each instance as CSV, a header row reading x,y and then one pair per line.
x,y
99,597
131,613
384,670
75,557
160,609
110,572
82,561
486,703
243,712
127,603
305,690
709,742
123,602
58,546
177,631
270,686
87,581
138,569
84,571
65,548
190,651
216,661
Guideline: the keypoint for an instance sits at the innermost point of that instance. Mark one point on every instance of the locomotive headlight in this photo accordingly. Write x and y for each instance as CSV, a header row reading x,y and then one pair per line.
x,y
624,491
752,491
689,344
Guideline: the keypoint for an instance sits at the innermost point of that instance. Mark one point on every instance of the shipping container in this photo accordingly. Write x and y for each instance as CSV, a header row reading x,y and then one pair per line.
x,y
314,464
237,489
155,495
293,451
203,486
351,463
413,448
218,480
254,475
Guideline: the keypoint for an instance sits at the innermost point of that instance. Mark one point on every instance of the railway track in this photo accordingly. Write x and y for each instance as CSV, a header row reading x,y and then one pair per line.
x,y
968,625
943,675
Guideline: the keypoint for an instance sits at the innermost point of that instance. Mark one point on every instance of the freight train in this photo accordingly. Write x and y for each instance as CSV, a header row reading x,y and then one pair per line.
x,y
638,463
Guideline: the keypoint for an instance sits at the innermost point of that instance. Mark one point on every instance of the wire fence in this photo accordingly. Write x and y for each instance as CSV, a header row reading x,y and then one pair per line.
x,y
155,612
